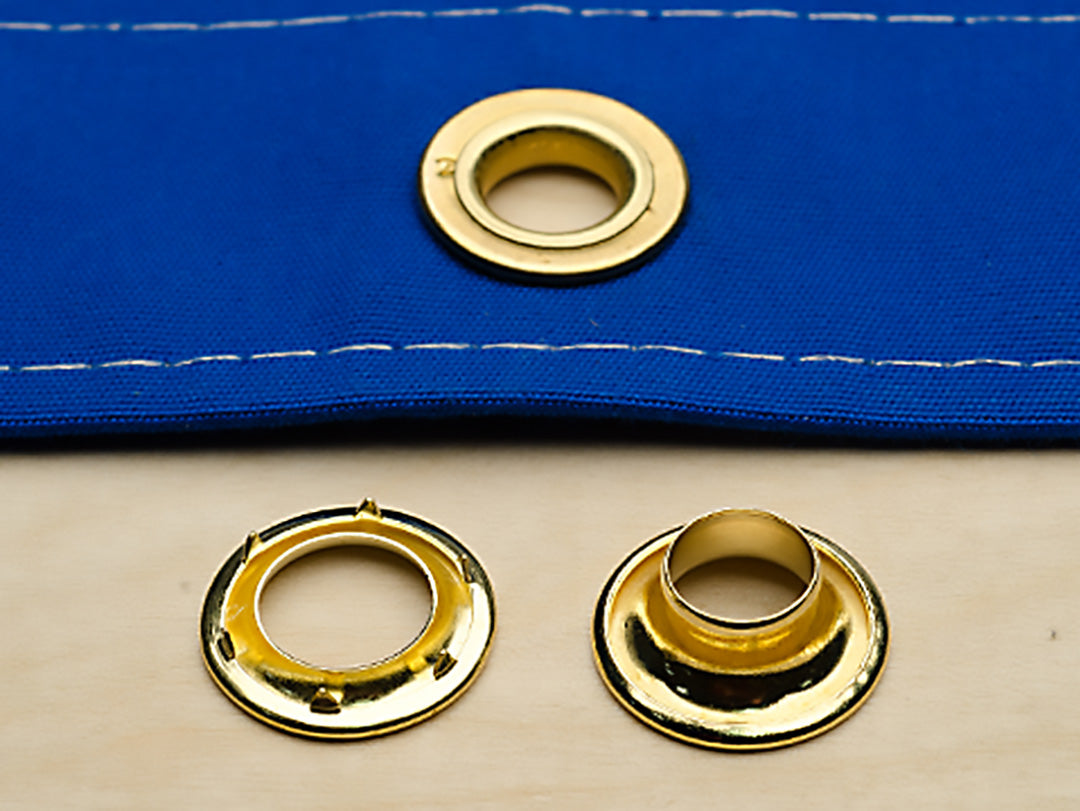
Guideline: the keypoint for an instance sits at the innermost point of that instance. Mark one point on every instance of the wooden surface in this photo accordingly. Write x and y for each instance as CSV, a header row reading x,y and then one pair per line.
x,y
107,553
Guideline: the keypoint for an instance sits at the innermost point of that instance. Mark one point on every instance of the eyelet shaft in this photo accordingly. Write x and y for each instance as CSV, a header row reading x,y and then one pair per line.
x,y
732,683
741,533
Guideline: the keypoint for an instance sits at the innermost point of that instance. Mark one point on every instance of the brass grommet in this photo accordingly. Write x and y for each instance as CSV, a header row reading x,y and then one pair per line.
x,y
353,702
509,133
740,684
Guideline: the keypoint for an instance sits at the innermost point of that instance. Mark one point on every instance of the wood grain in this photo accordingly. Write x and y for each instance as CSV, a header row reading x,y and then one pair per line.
x,y
107,554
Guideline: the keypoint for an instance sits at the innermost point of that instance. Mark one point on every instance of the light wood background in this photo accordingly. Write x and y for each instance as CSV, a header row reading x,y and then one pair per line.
x,y
107,554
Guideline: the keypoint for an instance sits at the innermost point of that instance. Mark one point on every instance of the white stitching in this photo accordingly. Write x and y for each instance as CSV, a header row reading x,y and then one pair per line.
x,y
17,26
765,12
542,8
392,14
614,12
135,362
298,353
842,16
207,359
999,18
830,359
333,19
1055,362
986,362
467,12
539,347
362,348
946,19
936,364
752,356
55,367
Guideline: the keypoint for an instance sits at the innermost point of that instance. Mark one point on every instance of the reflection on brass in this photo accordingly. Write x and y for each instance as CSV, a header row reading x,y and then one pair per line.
x,y
365,700
740,684
504,135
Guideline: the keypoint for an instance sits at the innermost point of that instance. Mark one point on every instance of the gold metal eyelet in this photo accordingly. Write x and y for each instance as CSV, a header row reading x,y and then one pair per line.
x,y
355,702
740,684
503,135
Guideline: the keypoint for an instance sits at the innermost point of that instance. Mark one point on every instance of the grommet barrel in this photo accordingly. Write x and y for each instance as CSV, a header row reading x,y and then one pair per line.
x,y
732,683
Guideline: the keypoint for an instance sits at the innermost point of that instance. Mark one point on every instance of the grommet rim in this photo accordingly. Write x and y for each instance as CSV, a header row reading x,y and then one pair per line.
x,y
740,684
512,132
372,699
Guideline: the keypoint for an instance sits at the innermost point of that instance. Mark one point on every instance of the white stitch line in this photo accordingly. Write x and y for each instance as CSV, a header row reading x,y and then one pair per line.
x,y
298,353
999,18
830,359
334,19
410,347
985,362
55,367
842,16
694,12
752,356
765,12
164,27
543,8
467,12
388,15
234,24
936,364
535,347
512,346
134,362
207,359
362,348
17,26
921,18
614,12
667,348
600,347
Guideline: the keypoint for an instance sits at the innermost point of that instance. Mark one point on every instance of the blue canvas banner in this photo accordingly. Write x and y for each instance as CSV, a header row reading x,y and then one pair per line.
x,y
208,218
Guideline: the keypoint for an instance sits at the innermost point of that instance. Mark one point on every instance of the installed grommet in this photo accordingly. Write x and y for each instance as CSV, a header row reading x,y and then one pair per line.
x,y
355,702
510,133
740,684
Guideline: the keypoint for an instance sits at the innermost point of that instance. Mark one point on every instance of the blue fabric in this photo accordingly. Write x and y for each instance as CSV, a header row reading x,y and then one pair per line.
x,y
216,225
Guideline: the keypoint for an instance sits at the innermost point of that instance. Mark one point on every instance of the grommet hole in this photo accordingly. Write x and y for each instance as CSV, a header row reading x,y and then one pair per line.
x,y
553,199
553,180
345,606
741,588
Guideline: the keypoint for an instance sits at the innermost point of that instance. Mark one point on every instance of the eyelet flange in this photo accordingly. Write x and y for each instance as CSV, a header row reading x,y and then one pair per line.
x,y
740,684
353,702
512,132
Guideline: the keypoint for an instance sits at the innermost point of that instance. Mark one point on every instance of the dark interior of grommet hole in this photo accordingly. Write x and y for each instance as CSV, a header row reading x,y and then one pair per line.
x,y
740,587
345,606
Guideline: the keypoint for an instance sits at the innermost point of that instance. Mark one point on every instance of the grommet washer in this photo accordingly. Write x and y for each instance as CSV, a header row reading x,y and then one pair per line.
x,y
353,702
509,133
740,684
